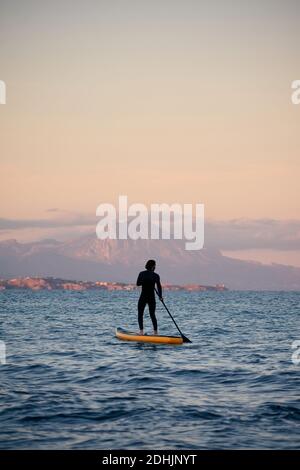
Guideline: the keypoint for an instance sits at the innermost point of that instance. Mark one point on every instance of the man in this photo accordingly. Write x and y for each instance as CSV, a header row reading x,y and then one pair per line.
x,y
148,279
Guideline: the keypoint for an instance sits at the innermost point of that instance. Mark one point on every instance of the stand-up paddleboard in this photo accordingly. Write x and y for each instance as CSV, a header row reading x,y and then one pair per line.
x,y
130,336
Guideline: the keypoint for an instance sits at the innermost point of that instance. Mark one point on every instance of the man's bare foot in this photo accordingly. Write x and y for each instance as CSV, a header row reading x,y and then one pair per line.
x,y
155,332
141,332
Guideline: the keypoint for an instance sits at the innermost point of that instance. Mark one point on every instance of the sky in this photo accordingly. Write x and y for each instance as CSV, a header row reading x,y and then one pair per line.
x,y
164,101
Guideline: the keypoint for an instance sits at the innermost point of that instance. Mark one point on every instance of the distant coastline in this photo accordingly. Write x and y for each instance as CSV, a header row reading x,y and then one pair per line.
x,y
51,283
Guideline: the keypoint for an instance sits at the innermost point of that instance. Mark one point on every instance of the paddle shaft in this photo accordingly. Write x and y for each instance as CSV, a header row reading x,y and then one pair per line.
x,y
182,335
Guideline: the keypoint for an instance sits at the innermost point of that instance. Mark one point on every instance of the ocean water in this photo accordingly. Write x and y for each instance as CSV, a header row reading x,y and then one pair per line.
x,y
70,384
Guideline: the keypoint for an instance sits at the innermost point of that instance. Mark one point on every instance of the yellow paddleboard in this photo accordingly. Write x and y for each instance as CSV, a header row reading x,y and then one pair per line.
x,y
130,336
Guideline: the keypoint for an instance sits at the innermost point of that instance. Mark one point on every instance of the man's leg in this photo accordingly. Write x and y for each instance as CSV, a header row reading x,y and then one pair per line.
x,y
152,306
141,308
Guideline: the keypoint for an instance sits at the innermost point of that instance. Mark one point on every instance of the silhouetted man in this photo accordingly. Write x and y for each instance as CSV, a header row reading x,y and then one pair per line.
x,y
148,279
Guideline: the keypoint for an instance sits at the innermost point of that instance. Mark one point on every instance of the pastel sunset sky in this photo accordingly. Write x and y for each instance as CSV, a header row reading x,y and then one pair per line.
x,y
165,101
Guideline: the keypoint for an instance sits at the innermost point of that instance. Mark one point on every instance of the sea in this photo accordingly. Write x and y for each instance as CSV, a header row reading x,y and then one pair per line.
x,y
68,383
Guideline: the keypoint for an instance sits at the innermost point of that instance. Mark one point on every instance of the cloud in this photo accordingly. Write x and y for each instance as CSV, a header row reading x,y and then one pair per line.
x,y
245,234
230,235
68,220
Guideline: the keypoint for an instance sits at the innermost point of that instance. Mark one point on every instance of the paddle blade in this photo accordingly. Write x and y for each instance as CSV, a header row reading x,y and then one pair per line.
x,y
185,339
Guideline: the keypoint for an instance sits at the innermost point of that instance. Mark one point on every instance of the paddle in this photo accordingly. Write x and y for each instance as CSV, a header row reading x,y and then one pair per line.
x,y
185,339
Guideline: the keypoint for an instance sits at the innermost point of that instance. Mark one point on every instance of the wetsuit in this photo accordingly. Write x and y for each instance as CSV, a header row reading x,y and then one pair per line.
x,y
148,279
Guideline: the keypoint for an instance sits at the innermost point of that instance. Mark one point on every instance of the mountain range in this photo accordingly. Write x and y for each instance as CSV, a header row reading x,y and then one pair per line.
x,y
91,259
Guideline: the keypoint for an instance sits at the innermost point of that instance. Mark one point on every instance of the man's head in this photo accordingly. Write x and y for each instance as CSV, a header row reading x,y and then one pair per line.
x,y
150,265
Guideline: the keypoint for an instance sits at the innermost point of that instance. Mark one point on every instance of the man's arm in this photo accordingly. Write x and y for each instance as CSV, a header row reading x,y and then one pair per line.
x,y
159,288
139,280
